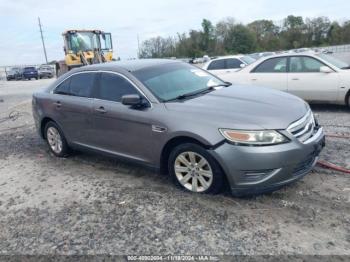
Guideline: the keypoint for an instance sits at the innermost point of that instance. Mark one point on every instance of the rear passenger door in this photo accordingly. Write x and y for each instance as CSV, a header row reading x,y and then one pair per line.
x,y
117,128
270,73
72,106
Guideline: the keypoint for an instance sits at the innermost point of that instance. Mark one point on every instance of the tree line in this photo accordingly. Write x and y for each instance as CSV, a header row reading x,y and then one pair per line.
x,y
231,37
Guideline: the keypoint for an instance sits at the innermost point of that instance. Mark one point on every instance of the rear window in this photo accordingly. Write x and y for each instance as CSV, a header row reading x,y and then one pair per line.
x,y
29,68
217,65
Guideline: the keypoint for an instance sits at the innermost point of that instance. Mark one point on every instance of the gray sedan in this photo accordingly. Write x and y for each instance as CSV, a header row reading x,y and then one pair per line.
x,y
183,121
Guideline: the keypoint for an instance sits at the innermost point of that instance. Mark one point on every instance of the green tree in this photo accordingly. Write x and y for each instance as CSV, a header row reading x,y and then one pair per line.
x,y
207,36
292,32
266,34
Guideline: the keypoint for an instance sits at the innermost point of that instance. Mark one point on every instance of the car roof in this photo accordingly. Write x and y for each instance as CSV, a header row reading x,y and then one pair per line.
x,y
225,57
129,65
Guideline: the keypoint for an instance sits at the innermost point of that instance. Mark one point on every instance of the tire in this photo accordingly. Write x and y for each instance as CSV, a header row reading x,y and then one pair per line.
x,y
56,140
348,100
36,78
193,164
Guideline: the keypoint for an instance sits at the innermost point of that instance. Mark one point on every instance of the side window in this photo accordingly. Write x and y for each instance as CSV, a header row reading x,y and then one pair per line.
x,y
77,85
217,65
273,65
305,64
233,63
112,87
63,88
81,84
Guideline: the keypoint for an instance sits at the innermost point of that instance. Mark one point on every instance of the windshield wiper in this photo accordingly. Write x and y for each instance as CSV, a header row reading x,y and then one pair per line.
x,y
183,96
202,91
226,84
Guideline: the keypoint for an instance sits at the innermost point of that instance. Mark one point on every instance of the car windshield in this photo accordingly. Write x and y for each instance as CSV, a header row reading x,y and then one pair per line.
x,y
334,61
167,82
83,41
248,59
29,69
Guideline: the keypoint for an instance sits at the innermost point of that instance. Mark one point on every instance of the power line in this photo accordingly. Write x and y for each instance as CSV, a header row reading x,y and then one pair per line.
x,y
42,39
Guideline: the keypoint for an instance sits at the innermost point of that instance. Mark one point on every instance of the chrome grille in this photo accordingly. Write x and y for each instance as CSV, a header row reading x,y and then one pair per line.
x,y
304,128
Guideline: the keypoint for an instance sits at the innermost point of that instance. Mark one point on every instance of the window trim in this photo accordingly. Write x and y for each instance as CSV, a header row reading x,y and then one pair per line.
x,y
270,58
102,71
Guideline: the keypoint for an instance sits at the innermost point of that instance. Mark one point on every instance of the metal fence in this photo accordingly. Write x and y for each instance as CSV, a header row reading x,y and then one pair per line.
x,y
338,48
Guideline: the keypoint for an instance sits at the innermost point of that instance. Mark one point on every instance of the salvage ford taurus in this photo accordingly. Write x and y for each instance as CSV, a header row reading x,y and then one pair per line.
x,y
182,120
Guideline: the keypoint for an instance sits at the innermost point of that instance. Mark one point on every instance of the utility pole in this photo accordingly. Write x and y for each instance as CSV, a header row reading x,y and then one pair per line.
x,y
42,39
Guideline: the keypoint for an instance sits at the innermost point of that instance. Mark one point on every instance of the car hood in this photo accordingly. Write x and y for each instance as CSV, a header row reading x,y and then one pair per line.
x,y
242,107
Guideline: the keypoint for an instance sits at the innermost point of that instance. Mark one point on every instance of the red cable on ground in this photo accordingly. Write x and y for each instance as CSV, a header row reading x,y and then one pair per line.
x,y
332,166
337,136
326,164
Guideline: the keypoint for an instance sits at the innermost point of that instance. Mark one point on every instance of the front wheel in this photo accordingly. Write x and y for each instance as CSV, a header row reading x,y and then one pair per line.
x,y
195,170
56,140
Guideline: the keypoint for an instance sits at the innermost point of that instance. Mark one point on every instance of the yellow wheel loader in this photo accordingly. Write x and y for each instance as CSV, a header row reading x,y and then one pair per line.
x,y
85,47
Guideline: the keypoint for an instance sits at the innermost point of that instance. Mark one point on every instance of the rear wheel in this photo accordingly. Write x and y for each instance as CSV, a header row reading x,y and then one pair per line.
x,y
56,140
195,170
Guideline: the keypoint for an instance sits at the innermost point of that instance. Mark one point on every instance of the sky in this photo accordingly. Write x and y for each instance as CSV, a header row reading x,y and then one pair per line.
x,y
20,41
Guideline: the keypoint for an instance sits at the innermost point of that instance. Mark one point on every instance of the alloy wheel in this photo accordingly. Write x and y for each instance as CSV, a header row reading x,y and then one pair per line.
x,y
54,139
193,171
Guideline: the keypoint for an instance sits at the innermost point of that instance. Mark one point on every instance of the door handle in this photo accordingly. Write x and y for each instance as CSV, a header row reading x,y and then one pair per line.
x,y
254,79
101,110
57,104
295,79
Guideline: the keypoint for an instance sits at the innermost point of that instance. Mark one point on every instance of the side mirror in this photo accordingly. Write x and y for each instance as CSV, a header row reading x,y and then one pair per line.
x,y
133,100
325,69
242,65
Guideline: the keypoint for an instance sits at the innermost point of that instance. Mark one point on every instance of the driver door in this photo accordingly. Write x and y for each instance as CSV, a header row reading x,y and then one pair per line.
x,y
306,81
117,128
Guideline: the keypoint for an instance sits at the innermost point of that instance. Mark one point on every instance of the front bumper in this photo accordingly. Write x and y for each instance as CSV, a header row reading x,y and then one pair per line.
x,y
257,169
46,74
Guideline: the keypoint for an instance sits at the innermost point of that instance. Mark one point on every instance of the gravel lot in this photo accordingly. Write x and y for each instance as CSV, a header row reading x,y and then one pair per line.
x,y
87,204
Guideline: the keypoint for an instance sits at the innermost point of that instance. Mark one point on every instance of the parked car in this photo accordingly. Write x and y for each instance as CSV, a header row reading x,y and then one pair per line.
x,y
30,72
313,77
184,121
228,64
45,71
257,56
15,73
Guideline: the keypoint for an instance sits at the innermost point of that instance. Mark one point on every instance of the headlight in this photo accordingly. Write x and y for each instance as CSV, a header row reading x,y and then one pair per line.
x,y
263,137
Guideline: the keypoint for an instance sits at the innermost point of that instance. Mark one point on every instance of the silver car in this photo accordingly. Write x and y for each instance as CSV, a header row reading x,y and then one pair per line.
x,y
183,121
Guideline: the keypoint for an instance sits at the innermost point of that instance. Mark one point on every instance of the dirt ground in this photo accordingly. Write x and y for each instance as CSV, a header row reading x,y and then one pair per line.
x,y
88,204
